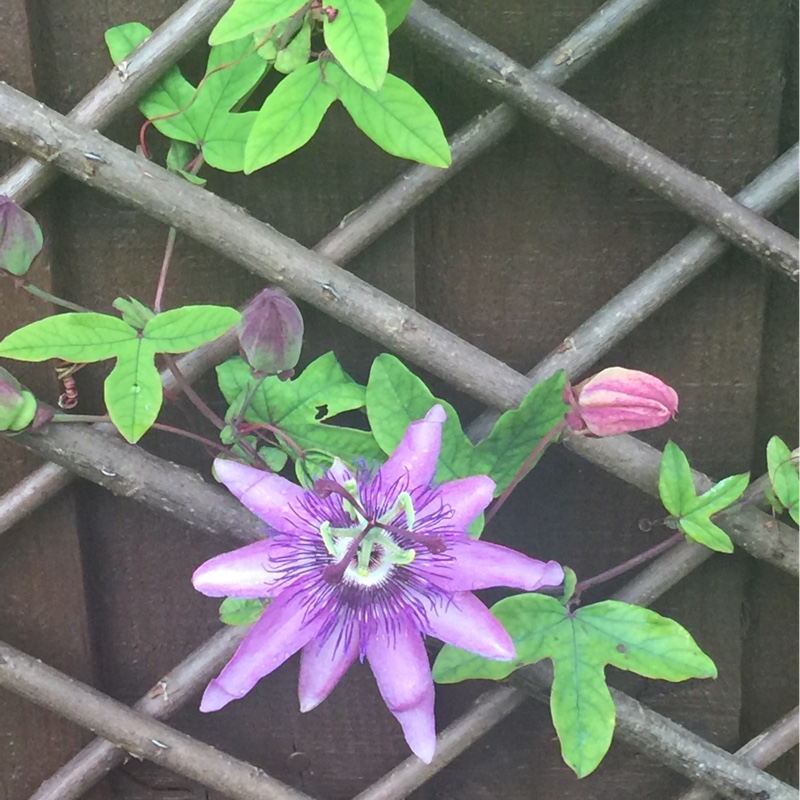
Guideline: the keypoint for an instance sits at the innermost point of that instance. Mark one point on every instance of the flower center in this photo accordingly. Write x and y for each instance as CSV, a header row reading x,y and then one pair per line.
x,y
367,552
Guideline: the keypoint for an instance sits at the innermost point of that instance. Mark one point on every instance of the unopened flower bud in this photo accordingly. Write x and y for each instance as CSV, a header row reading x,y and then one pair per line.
x,y
17,405
271,333
20,237
619,400
136,314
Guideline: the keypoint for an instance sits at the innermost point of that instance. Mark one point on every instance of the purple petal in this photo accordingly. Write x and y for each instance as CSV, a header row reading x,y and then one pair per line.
x,y
467,497
280,632
465,622
479,565
246,572
401,668
322,666
268,496
417,453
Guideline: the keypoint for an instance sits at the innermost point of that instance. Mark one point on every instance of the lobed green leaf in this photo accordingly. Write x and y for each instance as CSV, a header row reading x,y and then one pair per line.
x,y
185,328
167,97
396,118
302,406
639,640
289,117
132,392
359,40
77,337
580,645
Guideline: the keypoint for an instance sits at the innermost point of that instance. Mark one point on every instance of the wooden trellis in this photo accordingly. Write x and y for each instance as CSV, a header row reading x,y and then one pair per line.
x,y
71,145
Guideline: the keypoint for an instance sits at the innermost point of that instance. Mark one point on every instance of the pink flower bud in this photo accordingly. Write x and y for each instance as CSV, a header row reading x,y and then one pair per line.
x,y
619,400
271,333
20,237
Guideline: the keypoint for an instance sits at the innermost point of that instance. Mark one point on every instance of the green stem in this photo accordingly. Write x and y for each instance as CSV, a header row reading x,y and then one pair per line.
x,y
201,406
193,168
51,298
165,262
253,386
91,418
523,470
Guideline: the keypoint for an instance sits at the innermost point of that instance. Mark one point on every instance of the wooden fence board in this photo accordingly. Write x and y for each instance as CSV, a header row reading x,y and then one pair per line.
x,y
513,254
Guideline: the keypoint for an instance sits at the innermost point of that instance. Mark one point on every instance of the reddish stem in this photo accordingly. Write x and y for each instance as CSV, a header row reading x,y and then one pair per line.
x,y
162,275
630,564
523,470
190,393
189,435
256,426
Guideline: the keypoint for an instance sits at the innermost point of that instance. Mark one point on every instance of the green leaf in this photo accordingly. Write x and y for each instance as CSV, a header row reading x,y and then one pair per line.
x,y
238,611
132,391
246,16
267,40
783,475
580,645
296,53
520,430
183,329
675,484
167,96
700,528
396,118
178,156
233,71
570,582
77,337
133,312
720,496
396,398
359,40
289,117
226,140
273,457
200,117
301,407
396,11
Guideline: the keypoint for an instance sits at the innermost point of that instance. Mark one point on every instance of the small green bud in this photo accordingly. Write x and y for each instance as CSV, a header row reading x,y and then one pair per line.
x,y
136,314
18,406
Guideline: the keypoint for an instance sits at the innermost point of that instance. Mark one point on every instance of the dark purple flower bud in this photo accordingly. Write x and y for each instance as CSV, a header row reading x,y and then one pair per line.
x,y
17,404
271,333
20,237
